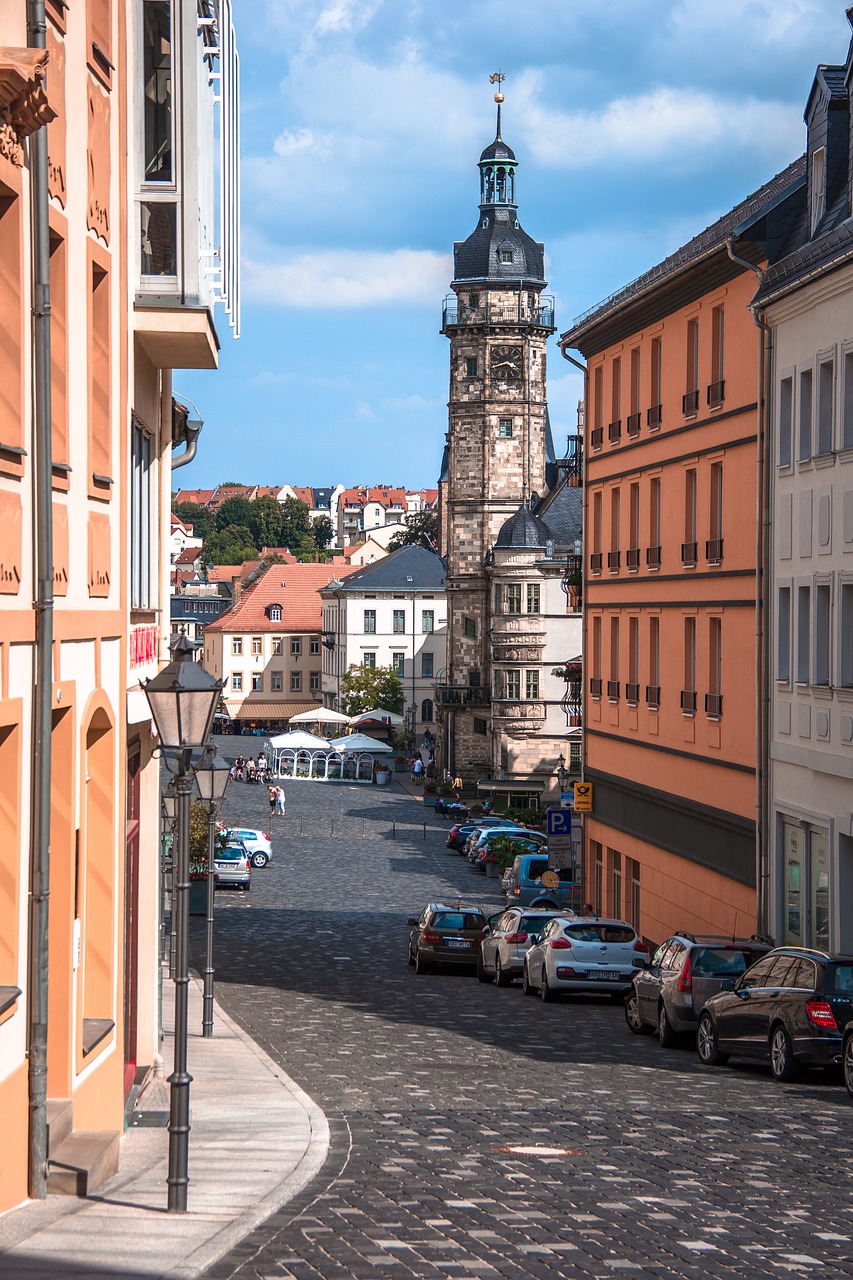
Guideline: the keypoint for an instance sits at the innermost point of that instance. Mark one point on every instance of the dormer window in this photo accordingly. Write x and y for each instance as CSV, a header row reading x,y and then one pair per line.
x,y
506,255
818,187
274,613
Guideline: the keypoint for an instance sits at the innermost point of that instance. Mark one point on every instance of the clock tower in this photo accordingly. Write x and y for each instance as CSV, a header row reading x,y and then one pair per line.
x,y
498,439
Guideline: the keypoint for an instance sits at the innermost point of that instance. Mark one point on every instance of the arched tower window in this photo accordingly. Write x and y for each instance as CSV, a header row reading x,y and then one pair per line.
x,y
426,711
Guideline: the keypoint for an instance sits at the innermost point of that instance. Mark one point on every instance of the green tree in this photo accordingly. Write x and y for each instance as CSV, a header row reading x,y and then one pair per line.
x,y
200,836
229,546
295,525
234,511
265,522
364,688
199,517
324,532
420,530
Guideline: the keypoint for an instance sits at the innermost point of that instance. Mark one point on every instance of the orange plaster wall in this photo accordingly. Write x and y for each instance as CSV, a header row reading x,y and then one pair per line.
x,y
674,893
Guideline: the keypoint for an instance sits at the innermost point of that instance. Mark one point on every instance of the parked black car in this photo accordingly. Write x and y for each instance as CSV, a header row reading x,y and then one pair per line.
x,y
789,1008
847,1058
445,935
680,979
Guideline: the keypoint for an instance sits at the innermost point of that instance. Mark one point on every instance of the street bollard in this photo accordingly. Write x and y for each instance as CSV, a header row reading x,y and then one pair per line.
x,y
393,830
333,826
302,826
362,828
424,831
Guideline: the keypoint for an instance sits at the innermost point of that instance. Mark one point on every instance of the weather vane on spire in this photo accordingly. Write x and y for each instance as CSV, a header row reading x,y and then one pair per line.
x,y
497,77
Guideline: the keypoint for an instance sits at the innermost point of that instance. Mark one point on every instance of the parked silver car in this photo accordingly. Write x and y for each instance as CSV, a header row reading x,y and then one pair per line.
x,y
233,866
583,953
503,948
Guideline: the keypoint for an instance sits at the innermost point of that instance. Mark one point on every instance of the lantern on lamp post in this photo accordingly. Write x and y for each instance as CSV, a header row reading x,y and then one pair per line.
x,y
183,698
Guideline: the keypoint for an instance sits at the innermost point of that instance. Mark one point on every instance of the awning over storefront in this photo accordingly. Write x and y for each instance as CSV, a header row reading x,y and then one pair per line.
x,y
267,710
505,786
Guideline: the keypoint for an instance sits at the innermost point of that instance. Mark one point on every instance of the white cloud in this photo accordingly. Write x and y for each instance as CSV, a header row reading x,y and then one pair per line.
x,y
345,15
364,412
292,141
345,278
672,126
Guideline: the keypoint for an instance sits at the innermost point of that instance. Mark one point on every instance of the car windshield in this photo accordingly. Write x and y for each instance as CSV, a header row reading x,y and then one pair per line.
x,y
838,980
718,962
230,855
457,920
599,932
533,924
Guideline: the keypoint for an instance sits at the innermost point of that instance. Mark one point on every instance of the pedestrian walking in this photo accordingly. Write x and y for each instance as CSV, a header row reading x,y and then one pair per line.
x,y
272,796
279,801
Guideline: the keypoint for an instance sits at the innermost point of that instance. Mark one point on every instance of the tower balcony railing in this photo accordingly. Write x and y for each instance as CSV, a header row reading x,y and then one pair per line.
x,y
455,311
461,695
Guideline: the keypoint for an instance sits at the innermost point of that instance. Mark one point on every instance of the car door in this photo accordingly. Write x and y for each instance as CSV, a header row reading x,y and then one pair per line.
x,y
505,924
762,1008
648,983
735,1023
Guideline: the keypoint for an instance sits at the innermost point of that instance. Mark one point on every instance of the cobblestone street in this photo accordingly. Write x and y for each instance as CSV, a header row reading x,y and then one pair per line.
x,y
657,1168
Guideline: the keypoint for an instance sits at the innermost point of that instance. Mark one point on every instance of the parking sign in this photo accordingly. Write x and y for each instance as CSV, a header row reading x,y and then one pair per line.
x,y
559,822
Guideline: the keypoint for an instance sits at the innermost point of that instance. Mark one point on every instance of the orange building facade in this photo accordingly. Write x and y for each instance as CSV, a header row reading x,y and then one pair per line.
x,y
670,594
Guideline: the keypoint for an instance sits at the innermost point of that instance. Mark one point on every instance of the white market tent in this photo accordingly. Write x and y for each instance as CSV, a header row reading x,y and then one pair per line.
x,y
361,742
319,715
297,740
379,713
298,754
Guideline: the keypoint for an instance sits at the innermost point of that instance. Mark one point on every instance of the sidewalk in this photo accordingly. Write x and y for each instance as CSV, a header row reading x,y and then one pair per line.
x,y
256,1141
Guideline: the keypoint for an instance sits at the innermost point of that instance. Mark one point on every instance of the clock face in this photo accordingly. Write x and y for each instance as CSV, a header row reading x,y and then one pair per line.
x,y
507,362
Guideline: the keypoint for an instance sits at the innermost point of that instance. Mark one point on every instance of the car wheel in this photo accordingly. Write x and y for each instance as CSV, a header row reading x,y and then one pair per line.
x,y
847,1064
545,992
422,966
482,972
501,979
706,1044
782,1062
259,859
633,1016
409,956
526,985
667,1037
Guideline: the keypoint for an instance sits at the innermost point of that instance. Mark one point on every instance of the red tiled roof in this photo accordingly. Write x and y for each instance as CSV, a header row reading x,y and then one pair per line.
x,y
199,497
268,491
384,495
189,555
224,492
304,494
430,496
294,586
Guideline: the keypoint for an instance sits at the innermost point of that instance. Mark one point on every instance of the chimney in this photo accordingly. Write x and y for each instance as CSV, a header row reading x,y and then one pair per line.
x,y
236,589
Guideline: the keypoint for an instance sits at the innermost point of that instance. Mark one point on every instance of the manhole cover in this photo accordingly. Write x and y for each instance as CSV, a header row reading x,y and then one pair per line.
x,y
149,1120
538,1151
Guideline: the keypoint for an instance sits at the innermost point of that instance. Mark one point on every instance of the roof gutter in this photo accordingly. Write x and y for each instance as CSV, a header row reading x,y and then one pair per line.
x,y
764,577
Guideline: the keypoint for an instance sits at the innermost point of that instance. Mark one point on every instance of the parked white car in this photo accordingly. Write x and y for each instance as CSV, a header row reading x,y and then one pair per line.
x,y
503,948
583,953
258,844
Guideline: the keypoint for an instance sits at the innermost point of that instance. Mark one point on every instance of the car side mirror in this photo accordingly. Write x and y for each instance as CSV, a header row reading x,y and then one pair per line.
x,y
411,920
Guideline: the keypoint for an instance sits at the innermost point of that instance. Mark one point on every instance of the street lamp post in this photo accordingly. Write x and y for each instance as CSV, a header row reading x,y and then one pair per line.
x,y
183,699
211,775
562,774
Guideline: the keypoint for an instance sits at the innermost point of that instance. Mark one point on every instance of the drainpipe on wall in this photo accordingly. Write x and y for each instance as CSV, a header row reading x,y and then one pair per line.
x,y
41,767
763,835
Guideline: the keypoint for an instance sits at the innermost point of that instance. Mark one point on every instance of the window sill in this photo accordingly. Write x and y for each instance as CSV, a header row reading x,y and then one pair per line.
x,y
8,998
95,1031
822,460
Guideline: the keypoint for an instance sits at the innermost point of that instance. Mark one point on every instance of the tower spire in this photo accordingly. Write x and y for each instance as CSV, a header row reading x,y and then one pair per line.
x,y
498,77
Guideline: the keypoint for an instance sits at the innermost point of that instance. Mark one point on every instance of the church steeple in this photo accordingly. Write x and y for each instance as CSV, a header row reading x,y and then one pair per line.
x,y
497,169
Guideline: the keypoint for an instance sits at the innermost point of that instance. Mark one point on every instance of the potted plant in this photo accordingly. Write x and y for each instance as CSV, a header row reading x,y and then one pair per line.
x,y
199,838
430,791
382,775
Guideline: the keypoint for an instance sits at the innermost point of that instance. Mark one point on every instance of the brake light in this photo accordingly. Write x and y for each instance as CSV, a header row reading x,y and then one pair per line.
x,y
516,937
820,1014
685,978
454,831
560,944
265,836
517,890
640,946
430,938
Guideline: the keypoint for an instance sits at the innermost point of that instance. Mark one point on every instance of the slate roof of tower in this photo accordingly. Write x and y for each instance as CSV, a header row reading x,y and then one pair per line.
x,y
478,257
561,511
498,150
524,529
409,569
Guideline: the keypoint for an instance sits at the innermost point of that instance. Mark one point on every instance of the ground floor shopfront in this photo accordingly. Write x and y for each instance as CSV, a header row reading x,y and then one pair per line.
x,y
811,875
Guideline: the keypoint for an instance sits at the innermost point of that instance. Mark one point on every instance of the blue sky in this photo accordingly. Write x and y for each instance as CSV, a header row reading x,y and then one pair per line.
x,y
636,123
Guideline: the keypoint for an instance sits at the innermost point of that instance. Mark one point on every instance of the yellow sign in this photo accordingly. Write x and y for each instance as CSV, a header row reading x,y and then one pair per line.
x,y
550,880
583,797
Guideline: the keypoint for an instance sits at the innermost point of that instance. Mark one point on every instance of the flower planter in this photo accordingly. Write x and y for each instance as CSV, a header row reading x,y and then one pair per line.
x,y
383,777
491,869
431,800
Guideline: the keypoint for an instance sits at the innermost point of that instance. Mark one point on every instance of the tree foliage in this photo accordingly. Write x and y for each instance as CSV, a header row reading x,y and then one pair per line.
x,y
364,688
420,530
324,532
199,517
200,835
229,546
234,511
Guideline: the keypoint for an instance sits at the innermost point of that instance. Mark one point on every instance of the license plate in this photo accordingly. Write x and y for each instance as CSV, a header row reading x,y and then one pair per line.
x,y
599,975
456,942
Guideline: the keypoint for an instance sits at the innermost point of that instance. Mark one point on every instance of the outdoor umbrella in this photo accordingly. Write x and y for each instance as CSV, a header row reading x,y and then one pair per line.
x,y
361,742
379,714
319,715
299,740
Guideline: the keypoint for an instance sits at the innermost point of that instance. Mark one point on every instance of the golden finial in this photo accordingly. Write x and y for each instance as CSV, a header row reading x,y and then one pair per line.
x,y
497,77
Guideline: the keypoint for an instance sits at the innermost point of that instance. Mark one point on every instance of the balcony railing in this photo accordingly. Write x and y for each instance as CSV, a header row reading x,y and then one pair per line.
x,y
614,559
689,553
714,704
653,695
654,415
596,437
514,709
716,394
688,701
461,695
633,424
690,404
455,311
614,430
714,550
632,558
652,557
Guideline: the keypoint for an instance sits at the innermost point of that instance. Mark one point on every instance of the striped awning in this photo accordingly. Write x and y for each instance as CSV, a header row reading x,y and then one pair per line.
x,y
268,710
